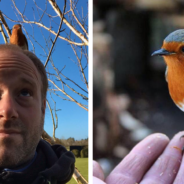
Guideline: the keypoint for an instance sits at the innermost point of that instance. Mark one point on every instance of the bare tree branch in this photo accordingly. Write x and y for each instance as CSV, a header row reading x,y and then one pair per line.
x,y
70,81
29,39
44,11
75,31
59,78
71,8
54,128
3,34
74,83
56,35
80,65
5,24
83,96
56,8
45,27
68,95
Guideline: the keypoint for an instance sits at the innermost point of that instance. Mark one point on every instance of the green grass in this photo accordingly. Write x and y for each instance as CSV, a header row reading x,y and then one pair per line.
x,y
82,166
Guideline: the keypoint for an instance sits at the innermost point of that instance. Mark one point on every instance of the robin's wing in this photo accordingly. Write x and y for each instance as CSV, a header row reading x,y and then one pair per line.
x,y
166,73
26,42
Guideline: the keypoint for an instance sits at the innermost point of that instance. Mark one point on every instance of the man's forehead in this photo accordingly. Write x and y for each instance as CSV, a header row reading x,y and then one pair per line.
x,y
7,77
16,60
14,55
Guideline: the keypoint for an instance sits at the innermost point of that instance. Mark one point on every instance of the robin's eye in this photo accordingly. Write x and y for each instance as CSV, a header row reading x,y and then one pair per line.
x,y
182,49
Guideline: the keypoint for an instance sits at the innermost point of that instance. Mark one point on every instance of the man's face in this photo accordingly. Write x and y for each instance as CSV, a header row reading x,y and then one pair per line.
x,y
21,112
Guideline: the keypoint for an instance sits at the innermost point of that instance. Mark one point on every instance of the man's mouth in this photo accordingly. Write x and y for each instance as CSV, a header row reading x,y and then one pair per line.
x,y
9,132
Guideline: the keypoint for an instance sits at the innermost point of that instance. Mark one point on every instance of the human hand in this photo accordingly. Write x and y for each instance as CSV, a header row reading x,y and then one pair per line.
x,y
154,160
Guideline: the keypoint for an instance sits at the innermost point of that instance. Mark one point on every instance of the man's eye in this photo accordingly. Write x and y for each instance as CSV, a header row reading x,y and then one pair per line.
x,y
25,92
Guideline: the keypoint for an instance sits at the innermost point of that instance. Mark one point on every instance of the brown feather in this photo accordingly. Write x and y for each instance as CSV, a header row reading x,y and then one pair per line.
x,y
18,38
175,74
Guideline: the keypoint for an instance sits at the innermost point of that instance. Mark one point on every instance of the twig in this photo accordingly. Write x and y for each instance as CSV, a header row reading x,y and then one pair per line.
x,y
48,29
59,78
84,97
74,83
56,35
57,10
44,11
71,8
52,120
62,97
80,65
68,95
5,24
76,32
29,39
3,34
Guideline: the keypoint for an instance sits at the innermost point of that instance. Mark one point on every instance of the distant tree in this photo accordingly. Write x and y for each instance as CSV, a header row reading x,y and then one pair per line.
x,y
81,142
58,141
70,141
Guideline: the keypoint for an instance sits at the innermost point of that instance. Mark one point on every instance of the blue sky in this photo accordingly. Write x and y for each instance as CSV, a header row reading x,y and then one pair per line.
x,y
73,120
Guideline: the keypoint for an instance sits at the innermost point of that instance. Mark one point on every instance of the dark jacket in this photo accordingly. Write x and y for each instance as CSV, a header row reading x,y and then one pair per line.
x,y
52,165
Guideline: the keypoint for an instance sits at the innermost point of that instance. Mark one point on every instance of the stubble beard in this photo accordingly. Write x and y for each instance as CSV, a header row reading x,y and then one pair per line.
x,y
12,153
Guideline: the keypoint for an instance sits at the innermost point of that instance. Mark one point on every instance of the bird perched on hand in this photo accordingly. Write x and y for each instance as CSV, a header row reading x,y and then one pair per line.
x,y
18,38
173,53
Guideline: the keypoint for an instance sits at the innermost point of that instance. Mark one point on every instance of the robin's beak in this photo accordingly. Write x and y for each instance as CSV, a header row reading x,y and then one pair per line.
x,y
162,52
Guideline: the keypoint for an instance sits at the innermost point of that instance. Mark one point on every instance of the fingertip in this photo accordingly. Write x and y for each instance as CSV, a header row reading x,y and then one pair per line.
x,y
97,171
177,142
156,140
179,135
160,136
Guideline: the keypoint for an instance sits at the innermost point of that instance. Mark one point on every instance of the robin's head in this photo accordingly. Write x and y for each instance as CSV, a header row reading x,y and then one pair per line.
x,y
17,27
173,46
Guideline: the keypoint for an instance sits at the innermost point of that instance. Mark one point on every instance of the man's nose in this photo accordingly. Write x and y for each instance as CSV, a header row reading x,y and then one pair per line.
x,y
8,107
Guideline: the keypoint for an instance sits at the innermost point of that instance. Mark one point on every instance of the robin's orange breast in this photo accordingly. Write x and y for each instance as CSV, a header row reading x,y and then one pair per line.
x,y
18,38
175,78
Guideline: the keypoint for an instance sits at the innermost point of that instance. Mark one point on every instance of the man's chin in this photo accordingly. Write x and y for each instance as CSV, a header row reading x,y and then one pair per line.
x,y
11,148
10,140
8,157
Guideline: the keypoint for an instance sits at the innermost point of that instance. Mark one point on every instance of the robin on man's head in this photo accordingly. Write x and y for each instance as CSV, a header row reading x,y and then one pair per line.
x,y
18,38
173,53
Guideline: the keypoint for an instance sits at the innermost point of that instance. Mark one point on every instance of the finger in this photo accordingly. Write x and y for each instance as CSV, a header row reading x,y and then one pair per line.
x,y
180,176
97,181
165,169
139,160
97,171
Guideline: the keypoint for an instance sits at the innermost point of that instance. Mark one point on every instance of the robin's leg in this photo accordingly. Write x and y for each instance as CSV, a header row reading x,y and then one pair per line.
x,y
182,151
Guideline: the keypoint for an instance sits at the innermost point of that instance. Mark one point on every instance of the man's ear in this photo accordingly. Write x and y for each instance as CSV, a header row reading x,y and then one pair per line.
x,y
43,106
